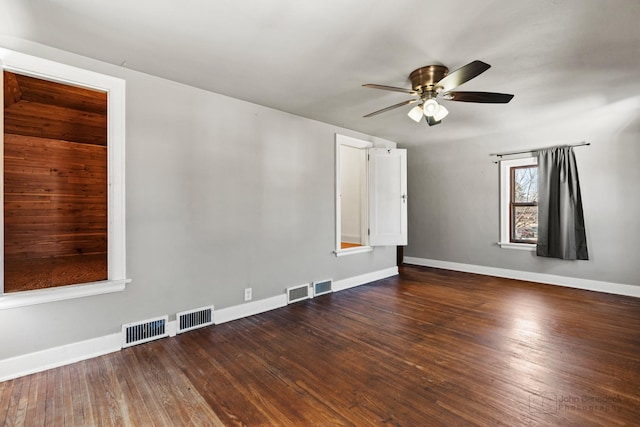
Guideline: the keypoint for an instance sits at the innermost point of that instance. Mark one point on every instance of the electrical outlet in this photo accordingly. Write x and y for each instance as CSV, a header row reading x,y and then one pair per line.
x,y
247,294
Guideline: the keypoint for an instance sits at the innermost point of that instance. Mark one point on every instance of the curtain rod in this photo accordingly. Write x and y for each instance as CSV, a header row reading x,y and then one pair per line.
x,y
538,149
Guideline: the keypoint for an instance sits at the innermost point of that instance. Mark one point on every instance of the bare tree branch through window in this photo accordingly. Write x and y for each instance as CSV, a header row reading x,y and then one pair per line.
x,y
524,204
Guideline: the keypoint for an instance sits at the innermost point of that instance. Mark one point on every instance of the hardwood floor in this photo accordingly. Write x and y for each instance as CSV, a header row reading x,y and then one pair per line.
x,y
346,245
429,348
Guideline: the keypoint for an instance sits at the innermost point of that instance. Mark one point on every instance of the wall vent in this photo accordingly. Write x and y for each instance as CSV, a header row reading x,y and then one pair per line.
x,y
297,293
144,331
194,319
322,287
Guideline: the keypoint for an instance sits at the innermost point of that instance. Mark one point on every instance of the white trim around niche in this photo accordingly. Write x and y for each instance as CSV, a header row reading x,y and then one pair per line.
x,y
115,87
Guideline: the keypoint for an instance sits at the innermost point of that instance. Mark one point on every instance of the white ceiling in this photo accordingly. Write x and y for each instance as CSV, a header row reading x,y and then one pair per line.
x,y
311,57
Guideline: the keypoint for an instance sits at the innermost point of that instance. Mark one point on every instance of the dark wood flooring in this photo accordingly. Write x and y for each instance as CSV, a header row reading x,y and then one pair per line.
x,y
428,348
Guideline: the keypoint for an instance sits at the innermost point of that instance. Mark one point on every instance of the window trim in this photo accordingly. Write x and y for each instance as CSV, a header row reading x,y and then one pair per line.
x,y
115,87
505,202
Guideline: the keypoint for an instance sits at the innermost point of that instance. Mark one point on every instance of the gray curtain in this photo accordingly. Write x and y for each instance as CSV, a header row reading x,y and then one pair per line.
x,y
561,231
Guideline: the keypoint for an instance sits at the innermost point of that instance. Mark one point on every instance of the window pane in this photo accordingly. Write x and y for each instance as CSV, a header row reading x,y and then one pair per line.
x,y
526,185
525,223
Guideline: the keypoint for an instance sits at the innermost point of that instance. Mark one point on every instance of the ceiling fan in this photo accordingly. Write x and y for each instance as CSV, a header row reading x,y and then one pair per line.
x,y
434,82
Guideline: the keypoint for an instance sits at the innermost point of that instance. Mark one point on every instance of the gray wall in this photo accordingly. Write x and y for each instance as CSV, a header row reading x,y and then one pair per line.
x,y
221,195
454,211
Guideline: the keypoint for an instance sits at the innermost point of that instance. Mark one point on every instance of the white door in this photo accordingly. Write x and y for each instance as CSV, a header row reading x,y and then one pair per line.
x,y
387,197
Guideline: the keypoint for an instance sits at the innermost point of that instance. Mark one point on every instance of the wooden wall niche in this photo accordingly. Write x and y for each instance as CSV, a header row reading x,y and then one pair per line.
x,y
55,184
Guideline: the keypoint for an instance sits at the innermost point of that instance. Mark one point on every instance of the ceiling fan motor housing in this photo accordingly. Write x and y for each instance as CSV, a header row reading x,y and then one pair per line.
x,y
424,79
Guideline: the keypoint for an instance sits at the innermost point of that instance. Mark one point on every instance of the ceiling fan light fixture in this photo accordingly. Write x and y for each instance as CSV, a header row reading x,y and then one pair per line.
x,y
416,113
435,82
440,113
430,107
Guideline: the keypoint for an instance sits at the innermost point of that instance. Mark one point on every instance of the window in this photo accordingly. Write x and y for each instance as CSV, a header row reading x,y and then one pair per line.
x,y
519,203
70,122
524,204
371,199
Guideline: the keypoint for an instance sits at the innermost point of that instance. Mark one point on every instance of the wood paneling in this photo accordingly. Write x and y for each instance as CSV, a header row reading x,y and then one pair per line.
x,y
428,348
55,207
50,121
55,184
11,92
61,95
55,197
41,108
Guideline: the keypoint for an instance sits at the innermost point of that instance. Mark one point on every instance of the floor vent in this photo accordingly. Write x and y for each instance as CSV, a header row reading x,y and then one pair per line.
x,y
321,288
194,319
297,293
144,331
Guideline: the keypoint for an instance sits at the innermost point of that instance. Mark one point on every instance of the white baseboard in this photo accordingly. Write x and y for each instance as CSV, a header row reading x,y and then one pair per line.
x,y
256,307
549,279
59,356
363,279
248,309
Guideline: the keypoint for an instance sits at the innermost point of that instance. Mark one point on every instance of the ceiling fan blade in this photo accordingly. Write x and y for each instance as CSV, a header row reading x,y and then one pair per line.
x,y
462,75
431,121
391,88
482,97
400,104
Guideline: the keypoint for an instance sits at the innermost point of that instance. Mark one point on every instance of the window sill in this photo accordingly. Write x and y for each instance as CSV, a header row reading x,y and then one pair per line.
x,y
518,246
41,296
351,251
